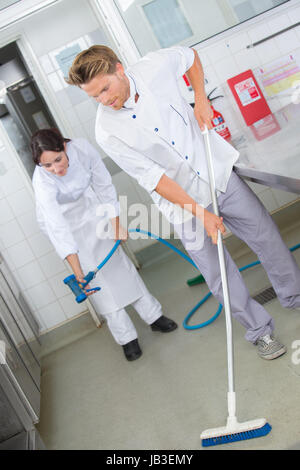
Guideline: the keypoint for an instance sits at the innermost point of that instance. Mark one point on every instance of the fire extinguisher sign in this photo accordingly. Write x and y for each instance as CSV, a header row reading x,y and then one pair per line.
x,y
247,91
249,97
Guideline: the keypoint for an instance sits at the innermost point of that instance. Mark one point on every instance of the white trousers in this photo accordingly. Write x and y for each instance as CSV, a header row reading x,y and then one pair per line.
x,y
120,324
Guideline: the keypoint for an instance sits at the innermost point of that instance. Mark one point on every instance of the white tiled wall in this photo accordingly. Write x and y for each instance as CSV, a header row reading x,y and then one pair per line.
x,y
29,254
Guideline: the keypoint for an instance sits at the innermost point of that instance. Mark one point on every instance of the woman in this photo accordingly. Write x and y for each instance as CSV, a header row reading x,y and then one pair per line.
x,y
71,183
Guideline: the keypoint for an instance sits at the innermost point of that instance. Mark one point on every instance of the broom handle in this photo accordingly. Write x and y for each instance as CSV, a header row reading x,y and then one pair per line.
x,y
222,266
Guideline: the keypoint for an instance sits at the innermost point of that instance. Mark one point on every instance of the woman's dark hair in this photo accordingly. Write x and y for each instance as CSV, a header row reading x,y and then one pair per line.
x,y
46,140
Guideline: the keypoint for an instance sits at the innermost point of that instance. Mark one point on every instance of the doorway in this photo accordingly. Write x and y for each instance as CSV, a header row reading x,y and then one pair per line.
x,y
23,111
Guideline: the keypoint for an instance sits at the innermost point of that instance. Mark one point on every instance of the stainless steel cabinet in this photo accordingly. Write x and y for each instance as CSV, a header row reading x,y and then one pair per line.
x,y
20,368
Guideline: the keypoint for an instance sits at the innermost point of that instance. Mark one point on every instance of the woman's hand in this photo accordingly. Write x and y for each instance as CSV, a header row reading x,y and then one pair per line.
x,y
74,262
120,233
212,225
81,281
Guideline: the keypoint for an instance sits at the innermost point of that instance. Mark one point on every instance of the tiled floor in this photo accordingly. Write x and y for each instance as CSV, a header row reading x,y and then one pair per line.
x,y
92,398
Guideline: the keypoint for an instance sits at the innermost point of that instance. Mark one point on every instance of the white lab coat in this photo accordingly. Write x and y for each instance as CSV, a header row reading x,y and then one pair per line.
x,y
66,212
159,133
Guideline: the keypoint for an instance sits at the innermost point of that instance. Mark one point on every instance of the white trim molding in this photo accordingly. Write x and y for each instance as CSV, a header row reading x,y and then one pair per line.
x,y
118,30
20,10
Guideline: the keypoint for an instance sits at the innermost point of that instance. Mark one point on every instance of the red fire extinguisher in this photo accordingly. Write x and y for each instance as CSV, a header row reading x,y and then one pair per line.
x,y
218,120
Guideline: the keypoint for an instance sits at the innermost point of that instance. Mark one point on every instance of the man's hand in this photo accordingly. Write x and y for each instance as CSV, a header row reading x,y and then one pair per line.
x,y
212,225
203,113
202,109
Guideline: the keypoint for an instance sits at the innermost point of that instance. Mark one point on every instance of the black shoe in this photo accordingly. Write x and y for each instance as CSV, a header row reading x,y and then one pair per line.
x,y
163,324
132,350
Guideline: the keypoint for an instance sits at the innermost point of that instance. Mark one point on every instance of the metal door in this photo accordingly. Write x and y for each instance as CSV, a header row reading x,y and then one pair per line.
x,y
29,106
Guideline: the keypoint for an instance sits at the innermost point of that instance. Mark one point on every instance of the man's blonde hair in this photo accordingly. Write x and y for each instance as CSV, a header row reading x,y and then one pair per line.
x,y
90,63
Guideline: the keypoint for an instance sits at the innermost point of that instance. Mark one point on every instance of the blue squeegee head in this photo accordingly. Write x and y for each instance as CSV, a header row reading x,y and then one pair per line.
x,y
241,436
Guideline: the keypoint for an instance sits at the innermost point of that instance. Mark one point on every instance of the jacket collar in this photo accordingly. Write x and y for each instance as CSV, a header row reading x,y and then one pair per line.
x,y
130,103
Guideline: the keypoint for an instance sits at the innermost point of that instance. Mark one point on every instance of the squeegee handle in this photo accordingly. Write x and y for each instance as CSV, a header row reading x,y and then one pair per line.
x,y
221,256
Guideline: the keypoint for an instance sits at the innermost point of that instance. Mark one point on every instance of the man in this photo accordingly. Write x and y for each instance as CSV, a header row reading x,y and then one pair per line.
x,y
151,132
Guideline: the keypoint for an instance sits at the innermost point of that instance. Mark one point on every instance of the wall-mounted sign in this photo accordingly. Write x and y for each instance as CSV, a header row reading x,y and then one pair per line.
x,y
66,57
27,94
280,75
40,120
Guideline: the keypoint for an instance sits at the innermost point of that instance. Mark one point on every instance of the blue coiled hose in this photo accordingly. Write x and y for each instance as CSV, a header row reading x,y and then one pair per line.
x,y
184,256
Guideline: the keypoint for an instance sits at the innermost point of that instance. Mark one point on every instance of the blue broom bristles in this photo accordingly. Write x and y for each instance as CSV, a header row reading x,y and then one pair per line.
x,y
241,436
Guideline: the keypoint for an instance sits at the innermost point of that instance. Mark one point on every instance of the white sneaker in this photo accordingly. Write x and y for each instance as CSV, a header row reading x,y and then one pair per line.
x,y
269,348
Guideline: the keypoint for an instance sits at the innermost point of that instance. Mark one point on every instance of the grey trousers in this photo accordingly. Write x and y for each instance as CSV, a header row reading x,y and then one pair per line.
x,y
247,218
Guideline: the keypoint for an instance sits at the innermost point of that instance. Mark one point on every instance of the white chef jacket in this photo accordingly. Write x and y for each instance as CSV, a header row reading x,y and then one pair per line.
x,y
159,134
52,193
67,211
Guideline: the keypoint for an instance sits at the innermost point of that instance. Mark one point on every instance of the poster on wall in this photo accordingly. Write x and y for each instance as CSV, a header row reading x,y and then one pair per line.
x,y
280,75
66,57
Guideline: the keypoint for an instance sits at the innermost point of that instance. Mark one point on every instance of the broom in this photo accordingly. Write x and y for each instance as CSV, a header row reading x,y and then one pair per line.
x,y
233,431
